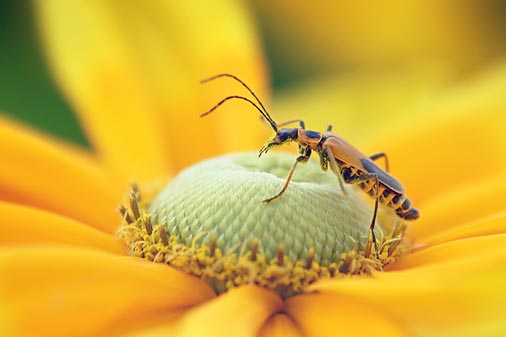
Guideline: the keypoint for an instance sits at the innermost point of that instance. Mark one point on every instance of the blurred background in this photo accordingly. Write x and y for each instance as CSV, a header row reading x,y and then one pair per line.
x,y
302,41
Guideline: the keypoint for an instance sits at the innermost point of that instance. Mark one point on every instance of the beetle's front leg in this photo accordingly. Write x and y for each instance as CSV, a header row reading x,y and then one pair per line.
x,y
300,159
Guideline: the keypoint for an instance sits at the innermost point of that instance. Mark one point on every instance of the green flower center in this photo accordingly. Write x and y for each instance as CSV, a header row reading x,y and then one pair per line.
x,y
223,197
211,221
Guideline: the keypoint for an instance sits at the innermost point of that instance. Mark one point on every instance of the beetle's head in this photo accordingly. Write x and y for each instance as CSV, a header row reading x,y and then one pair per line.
x,y
282,136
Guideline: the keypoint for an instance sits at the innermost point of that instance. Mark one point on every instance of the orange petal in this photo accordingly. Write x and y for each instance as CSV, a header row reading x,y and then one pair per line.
x,y
160,324
64,291
27,225
461,296
459,206
494,224
43,173
459,251
239,312
321,315
134,77
280,325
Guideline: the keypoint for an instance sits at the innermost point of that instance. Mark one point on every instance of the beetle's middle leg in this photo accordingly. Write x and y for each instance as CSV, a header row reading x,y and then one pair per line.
x,y
326,157
366,177
300,159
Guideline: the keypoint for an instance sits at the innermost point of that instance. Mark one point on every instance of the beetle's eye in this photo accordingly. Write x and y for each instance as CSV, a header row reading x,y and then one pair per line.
x,y
282,136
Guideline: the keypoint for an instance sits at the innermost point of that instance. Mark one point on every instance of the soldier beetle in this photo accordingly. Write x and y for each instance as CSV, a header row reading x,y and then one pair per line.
x,y
348,163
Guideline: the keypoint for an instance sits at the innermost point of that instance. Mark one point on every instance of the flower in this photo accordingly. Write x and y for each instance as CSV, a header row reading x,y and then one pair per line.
x,y
64,273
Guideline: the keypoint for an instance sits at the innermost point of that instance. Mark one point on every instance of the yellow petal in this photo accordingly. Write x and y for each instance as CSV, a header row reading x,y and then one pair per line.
x,y
463,251
280,325
460,296
493,224
321,315
64,291
132,72
434,157
26,225
359,104
308,36
451,140
107,91
43,173
460,206
239,312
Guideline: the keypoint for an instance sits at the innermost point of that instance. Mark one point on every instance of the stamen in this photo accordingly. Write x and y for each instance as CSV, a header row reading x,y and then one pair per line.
x,y
135,191
134,206
394,243
310,258
147,224
281,254
163,235
124,213
368,248
254,249
212,248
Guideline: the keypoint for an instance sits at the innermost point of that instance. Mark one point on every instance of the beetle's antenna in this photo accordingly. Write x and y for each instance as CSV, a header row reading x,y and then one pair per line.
x,y
263,111
290,122
273,124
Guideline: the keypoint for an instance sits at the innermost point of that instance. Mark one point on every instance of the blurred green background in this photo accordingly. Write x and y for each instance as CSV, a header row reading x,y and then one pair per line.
x,y
27,92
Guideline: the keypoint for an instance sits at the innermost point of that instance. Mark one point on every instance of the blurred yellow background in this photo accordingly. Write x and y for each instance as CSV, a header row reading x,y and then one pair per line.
x,y
351,55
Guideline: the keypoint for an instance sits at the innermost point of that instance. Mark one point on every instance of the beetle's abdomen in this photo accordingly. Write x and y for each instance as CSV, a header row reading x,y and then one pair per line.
x,y
386,196
397,201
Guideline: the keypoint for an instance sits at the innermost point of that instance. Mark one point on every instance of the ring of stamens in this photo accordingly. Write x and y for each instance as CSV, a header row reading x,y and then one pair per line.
x,y
224,270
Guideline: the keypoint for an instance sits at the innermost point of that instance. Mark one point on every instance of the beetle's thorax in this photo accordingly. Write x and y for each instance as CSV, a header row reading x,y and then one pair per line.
x,y
309,138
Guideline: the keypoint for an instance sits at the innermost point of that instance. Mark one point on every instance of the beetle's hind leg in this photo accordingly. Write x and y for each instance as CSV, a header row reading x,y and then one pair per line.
x,y
366,177
381,155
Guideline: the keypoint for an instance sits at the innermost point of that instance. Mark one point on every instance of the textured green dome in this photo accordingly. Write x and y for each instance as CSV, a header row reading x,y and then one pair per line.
x,y
222,197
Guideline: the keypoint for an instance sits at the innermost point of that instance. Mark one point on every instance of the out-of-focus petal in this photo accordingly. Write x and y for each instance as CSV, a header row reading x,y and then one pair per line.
x,y
456,138
240,312
40,172
26,225
359,104
280,325
465,204
68,291
445,152
161,324
132,72
322,315
179,44
454,289
318,36
493,224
